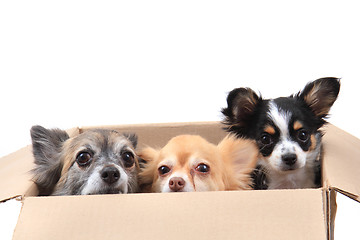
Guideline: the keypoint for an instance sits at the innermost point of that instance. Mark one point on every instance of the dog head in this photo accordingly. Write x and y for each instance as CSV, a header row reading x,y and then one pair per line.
x,y
95,162
189,163
286,129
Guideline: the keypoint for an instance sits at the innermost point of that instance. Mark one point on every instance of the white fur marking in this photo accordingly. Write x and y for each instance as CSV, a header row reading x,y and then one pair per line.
x,y
94,184
188,185
303,174
280,118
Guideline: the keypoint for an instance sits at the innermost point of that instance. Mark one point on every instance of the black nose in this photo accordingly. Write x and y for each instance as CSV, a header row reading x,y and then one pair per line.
x,y
110,175
289,159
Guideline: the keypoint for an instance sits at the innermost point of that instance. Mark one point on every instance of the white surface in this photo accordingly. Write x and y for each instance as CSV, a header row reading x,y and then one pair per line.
x,y
9,213
78,63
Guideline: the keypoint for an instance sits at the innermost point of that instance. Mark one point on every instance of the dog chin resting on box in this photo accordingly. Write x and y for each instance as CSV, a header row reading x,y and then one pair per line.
x,y
97,161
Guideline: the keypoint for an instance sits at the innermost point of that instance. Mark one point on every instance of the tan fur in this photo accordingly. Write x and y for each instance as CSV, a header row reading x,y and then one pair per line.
x,y
313,143
270,130
239,157
231,162
297,125
322,107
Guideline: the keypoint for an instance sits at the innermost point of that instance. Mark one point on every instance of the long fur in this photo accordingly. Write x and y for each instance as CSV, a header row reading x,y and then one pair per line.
x,y
239,157
250,116
56,171
47,146
231,162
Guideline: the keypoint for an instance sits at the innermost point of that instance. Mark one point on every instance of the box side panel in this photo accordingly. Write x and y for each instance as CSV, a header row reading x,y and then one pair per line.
x,y
15,172
331,212
341,163
15,177
157,135
285,214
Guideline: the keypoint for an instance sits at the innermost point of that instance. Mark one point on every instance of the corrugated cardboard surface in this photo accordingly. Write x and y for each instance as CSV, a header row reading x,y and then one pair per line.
x,y
276,214
342,161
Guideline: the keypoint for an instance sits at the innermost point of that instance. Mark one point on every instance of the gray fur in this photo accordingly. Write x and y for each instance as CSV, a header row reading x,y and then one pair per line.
x,y
52,155
132,138
47,144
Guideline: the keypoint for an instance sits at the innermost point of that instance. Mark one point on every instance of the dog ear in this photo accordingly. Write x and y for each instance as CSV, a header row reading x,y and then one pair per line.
x,y
241,156
242,103
132,137
148,154
148,167
320,95
47,144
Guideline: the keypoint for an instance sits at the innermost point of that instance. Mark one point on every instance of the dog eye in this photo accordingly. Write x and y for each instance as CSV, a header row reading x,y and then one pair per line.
x,y
266,139
303,135
83,158
128,159
163,170
203,168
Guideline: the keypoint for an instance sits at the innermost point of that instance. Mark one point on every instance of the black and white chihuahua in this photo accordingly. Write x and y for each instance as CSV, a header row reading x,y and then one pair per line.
x,y
286,130
96,161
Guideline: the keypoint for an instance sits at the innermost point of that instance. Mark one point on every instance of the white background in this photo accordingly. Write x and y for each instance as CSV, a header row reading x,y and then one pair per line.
x,y
79,63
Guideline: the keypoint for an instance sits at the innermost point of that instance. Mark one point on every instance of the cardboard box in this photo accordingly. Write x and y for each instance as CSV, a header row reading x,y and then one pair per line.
x,y
269,214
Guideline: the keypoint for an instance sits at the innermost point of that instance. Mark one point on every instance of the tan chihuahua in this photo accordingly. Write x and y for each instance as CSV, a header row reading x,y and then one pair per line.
x,y
190,163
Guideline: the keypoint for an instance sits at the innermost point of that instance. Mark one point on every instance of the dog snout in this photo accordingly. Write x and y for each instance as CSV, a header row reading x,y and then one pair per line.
x,y
176,184
289,159
110,175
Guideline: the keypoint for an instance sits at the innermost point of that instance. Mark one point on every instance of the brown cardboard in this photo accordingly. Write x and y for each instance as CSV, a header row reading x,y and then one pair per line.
x,y
206,215
15,174
269,214
158,134
342,161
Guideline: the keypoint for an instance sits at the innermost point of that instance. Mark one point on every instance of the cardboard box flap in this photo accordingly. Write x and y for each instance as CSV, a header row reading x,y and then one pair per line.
x,y
15,172
15,176
342,161
158,134
199,215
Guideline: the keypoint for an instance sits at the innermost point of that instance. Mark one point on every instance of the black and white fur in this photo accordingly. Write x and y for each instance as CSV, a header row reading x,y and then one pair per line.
x,y
286,130
96,161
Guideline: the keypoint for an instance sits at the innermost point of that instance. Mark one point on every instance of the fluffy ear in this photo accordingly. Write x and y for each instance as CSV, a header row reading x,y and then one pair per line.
x,y
47,144
320,95
148,158
148,154
242,103
240,156
132,138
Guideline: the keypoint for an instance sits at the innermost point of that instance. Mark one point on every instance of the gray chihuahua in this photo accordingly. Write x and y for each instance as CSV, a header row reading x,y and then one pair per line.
x,y
94,162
